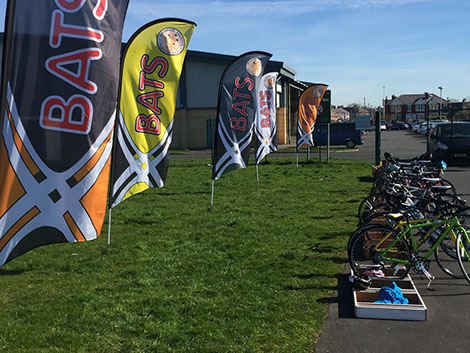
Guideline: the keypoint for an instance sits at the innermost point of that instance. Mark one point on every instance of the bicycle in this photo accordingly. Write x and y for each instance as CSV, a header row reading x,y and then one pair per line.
x,y
446,259
395,251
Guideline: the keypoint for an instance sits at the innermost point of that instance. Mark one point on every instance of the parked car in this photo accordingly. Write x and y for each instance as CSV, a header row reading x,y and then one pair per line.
x,y
340,134
414,126
399,126
450,142
422,128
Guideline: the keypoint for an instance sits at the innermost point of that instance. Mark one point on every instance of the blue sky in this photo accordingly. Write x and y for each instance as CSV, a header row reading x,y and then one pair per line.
x,y
356,46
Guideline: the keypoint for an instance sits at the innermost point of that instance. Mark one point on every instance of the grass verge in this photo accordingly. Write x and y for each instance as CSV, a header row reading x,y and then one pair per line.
x,y
255,275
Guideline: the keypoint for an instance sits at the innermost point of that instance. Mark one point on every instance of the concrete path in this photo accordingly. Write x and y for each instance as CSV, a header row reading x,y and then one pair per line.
x,y
448,301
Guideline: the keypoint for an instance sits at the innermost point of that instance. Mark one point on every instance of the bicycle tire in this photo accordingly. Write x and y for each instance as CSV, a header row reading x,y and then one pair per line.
x,y
463,253
380,208
383,219
446,182
368,203
448,262
362,252
359,230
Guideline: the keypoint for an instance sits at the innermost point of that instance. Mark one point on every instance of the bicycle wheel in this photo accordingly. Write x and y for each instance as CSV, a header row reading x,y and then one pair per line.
x,y
379,189
463,253
367,204
360,230
380,208
448,244
446,182
383,219
365,251
446,258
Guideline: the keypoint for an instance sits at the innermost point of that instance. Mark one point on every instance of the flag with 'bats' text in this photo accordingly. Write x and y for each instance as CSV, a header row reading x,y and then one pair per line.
x,y
60,81
265,126
151,69
236,111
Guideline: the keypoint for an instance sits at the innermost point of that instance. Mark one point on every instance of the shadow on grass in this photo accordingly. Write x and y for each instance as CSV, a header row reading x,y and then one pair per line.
x,y
321,217
312,287
343,297
365,179
314,275
4,272
333,235
285,163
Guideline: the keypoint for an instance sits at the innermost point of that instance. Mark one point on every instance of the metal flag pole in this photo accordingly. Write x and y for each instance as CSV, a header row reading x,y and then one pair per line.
x,y
297,159
109,229
257,175
328,145
212,196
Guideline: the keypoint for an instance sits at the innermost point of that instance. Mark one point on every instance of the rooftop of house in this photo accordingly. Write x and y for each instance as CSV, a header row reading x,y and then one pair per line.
x,y
406,99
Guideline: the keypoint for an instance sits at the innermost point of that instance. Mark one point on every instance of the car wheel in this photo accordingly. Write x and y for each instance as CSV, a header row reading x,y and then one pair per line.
x,y
350,144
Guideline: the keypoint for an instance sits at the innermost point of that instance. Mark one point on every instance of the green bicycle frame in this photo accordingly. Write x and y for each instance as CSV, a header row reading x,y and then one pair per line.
x,y
452,223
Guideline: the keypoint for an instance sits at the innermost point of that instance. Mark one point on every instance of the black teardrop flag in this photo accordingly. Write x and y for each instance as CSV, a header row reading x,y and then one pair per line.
x,y
236,112
60,89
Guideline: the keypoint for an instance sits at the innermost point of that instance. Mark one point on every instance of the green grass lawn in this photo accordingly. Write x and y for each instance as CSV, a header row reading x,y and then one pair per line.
x,y
255,275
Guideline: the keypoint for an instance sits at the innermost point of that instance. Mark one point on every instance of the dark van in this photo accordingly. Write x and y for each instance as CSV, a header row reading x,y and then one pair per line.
x,y
340,134
450,142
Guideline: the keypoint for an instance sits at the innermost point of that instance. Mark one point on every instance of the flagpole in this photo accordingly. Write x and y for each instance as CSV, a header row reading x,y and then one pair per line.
x,y
212,196
114,142
297,159
109,228
257,174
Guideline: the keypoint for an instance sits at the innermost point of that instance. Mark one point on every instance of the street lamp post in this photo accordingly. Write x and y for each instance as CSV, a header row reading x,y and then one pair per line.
x,y
440,100
426,115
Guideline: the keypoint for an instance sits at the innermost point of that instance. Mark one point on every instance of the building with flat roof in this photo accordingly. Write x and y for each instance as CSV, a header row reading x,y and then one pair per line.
x,y
196,102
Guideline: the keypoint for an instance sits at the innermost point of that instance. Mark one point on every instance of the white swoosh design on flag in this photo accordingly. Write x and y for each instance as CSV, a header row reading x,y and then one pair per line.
x,y
233,150
305,137
142,173
37,194
264,148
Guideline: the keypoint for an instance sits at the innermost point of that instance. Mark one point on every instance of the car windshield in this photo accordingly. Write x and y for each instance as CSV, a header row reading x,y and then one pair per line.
x,y
457,130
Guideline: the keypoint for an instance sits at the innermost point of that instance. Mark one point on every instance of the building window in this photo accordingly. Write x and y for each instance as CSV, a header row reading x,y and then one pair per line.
x,y
398,117
409,108
420,107
396,108
420,116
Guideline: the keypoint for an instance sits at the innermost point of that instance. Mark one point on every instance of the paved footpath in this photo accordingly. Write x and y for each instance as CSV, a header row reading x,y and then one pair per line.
x,y
447,328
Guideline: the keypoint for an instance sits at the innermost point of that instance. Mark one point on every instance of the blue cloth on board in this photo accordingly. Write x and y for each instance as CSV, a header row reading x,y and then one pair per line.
x,y
391,295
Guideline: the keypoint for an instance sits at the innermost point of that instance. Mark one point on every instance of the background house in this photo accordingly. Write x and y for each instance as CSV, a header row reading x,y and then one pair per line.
x,y
409,107
339,114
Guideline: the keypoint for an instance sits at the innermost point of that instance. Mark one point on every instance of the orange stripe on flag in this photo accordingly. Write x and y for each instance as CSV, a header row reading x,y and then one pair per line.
x,y
94,201
32,167
11,190
73,227
91,163
18,225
